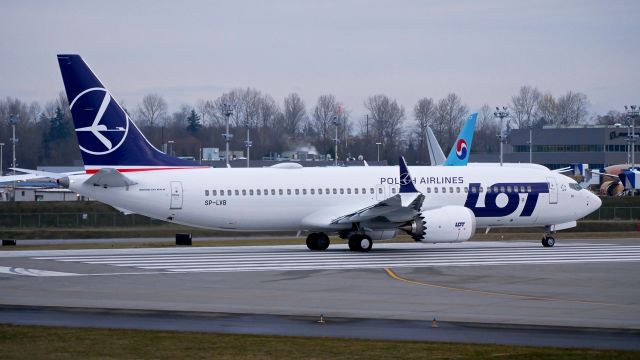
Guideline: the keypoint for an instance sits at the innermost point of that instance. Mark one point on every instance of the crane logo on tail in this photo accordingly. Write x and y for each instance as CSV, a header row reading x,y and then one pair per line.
x,y
106,124
461,149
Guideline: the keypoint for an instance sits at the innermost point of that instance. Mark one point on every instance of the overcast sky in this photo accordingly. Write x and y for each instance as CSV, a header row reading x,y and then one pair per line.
x,y
188,50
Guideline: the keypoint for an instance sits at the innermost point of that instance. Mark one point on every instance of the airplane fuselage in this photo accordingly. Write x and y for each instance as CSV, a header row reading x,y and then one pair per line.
x,y
269,199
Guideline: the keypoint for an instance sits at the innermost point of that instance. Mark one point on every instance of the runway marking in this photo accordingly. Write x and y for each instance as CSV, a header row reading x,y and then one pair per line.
x,y
32,272
295,258
397,277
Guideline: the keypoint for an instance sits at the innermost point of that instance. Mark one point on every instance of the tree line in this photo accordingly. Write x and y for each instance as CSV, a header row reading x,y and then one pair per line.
x,y
46,134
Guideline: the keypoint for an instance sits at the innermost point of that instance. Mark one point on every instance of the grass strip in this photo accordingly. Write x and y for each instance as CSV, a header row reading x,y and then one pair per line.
x,y
40,342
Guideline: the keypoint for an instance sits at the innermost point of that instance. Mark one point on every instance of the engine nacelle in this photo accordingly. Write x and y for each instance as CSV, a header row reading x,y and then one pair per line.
x,y
447,224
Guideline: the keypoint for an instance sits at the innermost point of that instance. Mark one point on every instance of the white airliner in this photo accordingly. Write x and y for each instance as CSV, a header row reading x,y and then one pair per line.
x,y
433,204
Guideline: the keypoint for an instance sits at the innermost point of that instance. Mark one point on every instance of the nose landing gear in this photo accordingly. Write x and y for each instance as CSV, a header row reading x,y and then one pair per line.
x,y
548,240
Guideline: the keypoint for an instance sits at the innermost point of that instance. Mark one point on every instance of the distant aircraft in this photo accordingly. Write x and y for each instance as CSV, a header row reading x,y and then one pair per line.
x,y
433,204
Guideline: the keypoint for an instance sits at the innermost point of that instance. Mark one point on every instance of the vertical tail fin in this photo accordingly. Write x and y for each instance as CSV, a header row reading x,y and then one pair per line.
x,y
106,135
459,154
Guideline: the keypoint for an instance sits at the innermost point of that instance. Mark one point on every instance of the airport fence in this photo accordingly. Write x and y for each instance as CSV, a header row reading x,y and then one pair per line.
x,y
73,220
615,213
117,219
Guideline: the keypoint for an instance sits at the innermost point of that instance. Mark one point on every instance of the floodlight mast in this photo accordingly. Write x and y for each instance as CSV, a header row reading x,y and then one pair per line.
x,y
13,121
336,123
248,142
633,111
502,136
227,110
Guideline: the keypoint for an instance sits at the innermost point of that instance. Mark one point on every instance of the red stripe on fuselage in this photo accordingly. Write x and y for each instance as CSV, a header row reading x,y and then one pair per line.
x,y
93,171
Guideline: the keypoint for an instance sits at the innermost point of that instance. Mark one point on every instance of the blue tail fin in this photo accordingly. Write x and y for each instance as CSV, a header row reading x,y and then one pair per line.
x,y
106,135
459,154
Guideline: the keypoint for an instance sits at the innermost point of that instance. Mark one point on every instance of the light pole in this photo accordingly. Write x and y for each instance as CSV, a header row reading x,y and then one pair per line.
x,y
378,146
1,158
227,109
248,142
633,112
13,121
501,113
170,143
336,123
530,145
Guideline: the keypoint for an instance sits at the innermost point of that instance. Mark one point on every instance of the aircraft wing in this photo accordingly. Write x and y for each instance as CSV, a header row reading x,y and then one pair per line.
x,y
108,177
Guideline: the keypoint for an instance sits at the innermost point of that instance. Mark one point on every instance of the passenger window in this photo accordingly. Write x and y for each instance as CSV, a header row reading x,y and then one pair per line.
x,y
458,189
304,191
444,190
364,191
266,191
258,192
371,190
335,191
288,191
355,191
349,191
435,190
214,192
206,193
251,192
495,189
528,188
244,192
481,189
280,191
379,190
393,190
228,192
297,192
237,192
509,188
341,191
466,189
428,190
328,192
474,190
451,189
273,192
521,188
313,191
319,191
501,188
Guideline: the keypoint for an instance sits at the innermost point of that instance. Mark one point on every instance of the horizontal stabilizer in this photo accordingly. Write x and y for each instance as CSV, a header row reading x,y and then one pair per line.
x,y
108,177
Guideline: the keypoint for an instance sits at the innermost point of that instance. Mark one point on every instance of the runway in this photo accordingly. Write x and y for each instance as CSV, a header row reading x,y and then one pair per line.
x,y
577,284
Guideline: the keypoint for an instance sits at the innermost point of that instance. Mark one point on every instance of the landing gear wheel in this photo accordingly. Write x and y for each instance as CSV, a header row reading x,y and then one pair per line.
x,y
362,243
548,241
318,241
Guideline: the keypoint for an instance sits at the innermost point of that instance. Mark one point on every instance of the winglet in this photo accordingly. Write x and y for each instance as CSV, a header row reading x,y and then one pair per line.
x,y
459,155
406,182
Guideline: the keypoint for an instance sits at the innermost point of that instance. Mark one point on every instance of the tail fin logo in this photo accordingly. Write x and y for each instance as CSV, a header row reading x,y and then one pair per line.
x,y
461,149
105,124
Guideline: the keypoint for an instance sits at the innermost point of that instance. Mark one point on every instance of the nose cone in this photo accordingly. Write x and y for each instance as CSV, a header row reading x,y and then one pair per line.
x,y
593,202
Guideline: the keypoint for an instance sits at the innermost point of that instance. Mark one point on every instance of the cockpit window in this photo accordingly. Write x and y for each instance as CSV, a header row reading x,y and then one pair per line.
x,y
575,187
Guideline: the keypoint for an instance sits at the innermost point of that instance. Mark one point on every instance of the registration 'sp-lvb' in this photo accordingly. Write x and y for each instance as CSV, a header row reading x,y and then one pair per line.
x,y
433,204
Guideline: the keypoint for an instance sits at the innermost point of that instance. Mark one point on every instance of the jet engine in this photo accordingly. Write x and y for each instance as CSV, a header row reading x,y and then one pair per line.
x,y
447,224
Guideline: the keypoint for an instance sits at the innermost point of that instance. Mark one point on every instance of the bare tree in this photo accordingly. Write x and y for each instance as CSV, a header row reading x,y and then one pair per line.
x,y
425,114
547,110
324,111
151,109
572,109
487,128
294,114
450,113
524,106
610,118
387,118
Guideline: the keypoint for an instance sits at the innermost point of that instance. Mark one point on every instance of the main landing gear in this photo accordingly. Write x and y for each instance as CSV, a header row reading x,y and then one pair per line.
x,y
318,241
359,242
548,240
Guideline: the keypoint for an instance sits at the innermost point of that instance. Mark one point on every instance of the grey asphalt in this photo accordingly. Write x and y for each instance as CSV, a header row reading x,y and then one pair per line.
x,y
513,292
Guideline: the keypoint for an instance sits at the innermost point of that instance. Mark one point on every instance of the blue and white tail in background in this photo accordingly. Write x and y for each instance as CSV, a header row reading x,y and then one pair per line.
x,y
459,154
106,135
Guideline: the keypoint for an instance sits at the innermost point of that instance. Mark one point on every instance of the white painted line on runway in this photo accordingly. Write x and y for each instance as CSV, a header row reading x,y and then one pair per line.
x,y
281,258
32,272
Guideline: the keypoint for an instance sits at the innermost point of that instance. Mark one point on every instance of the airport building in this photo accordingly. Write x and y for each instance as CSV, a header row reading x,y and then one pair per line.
x,y
596,145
